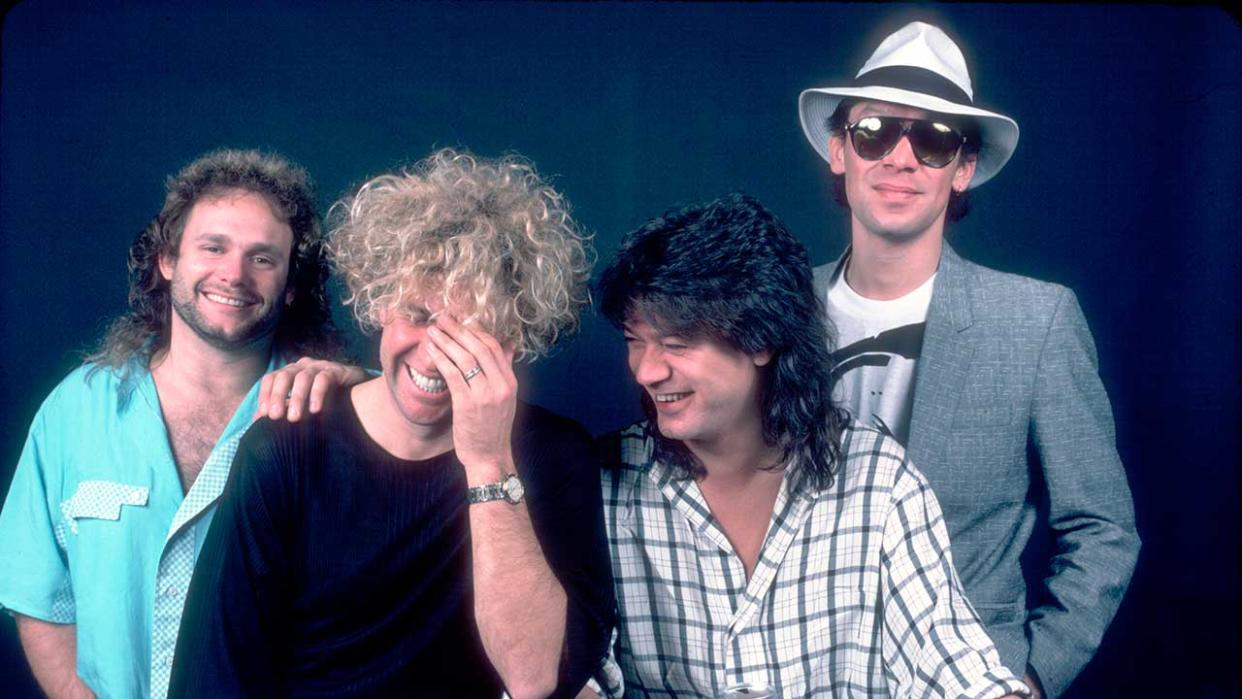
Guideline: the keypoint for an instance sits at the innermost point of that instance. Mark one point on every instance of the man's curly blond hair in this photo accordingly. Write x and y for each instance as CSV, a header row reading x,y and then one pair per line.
x,y
487,238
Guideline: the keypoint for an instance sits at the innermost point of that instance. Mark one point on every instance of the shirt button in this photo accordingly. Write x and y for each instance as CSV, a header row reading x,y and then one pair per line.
x,y
168,661
170,591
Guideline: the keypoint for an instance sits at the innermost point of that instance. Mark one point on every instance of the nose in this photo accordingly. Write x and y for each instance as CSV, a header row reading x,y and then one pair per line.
x,y
648,365
422,355
232,269
902,155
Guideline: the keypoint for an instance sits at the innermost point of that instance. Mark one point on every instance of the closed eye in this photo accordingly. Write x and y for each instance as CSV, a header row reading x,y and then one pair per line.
x,y
418,316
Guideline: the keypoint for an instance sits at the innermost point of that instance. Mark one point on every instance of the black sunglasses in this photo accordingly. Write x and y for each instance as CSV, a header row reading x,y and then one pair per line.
x,y
935,144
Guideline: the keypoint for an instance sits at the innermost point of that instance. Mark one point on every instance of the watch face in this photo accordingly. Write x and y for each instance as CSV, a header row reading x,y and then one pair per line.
x,y
513,489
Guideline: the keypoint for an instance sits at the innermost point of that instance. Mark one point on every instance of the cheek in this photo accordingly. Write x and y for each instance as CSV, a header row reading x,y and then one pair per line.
x,y
176,267
399,339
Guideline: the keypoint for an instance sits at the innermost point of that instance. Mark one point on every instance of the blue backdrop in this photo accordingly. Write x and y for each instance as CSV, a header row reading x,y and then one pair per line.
x,y
1125,186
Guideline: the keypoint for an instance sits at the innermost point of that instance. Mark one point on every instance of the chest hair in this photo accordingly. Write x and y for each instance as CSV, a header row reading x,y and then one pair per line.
x,y
193,429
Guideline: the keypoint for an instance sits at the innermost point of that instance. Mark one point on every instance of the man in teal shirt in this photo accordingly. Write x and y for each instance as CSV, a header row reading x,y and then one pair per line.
x,y
126,458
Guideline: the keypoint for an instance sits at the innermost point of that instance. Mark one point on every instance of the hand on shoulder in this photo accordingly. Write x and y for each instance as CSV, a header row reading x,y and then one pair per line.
x,y
302,387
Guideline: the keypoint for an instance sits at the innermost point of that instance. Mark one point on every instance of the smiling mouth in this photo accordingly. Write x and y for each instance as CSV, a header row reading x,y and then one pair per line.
x,y
225,300
426,383
670,397
895,190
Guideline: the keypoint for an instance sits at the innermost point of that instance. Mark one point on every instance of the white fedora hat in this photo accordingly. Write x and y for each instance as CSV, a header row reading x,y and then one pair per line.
x,y
918,66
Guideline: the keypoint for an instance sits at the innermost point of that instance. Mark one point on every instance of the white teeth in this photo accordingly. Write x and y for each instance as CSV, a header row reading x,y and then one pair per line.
x,y
426,383
225,300
669,397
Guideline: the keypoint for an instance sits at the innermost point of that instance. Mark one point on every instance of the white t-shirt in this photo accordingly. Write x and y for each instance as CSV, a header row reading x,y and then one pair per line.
x,y
878,351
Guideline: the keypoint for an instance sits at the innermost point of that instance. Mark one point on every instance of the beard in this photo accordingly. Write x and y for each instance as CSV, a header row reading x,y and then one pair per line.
x,y
260,326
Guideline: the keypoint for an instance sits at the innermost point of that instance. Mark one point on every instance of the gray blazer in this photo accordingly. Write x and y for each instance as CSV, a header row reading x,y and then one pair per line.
x,y
1008,393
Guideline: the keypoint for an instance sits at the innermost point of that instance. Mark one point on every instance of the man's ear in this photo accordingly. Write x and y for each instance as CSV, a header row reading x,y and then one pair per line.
x,y
167,262
836,153
761,358
965,171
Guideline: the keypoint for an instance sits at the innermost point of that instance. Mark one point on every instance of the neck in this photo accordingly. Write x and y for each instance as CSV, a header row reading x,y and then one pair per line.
x,y
736,460
387,427
200,368
741,489
882,268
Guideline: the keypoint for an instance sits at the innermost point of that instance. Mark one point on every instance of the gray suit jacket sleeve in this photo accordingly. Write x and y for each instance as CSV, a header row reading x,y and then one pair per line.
x,y
1090,508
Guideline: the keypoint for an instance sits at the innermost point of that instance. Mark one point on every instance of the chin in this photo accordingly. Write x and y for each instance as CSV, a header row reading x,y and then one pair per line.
x,y
672,429
421,416
900,231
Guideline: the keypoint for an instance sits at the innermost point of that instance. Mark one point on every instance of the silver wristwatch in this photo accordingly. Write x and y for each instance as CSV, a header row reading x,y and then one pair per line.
x,y
510,490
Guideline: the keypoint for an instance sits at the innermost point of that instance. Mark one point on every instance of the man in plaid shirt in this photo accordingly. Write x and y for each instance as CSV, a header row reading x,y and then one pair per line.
x,y
757,539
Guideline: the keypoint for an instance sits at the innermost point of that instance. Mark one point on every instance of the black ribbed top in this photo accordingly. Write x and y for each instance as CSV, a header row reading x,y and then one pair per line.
x,y
333,569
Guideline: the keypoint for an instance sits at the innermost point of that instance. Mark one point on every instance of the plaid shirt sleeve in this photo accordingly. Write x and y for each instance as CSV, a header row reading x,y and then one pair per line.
x,y
933,643
608,681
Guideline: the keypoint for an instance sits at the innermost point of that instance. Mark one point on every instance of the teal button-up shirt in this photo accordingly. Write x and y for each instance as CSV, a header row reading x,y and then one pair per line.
x,y
97,532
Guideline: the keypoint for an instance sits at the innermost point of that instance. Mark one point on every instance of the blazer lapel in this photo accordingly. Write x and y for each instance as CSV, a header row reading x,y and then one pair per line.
x,y
944,361
822,276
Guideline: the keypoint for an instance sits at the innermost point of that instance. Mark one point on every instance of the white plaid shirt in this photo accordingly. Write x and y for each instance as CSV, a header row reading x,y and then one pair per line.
x,y
854,593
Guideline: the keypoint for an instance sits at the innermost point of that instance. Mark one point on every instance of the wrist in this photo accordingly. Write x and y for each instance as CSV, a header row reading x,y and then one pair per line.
x,y
485,472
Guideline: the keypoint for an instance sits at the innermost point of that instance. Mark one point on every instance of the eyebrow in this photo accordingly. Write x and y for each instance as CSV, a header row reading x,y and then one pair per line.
x,y
627,329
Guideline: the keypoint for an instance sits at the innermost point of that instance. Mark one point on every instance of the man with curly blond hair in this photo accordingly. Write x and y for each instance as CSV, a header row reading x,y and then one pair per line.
x,y
429,534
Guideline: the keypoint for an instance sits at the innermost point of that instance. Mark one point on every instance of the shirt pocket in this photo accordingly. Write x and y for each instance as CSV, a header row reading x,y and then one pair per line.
x,y
98,500
1002,614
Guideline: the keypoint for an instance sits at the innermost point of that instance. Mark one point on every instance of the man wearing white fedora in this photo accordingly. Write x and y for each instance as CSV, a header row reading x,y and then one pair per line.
x,y
989,379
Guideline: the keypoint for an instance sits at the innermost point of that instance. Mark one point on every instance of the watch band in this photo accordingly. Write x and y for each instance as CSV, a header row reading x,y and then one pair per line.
x,y
510,490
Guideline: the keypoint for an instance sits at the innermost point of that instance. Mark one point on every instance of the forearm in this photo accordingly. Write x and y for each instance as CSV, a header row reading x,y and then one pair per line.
x,y
519,605
938,644
51,650
1095,553
1091,509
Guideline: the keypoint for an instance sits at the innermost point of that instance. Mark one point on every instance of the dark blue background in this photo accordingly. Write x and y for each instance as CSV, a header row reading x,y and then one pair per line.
x,y
1125,187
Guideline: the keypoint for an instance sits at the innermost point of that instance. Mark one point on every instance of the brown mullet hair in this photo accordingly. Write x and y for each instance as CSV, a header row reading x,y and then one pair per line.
x,y
305,327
